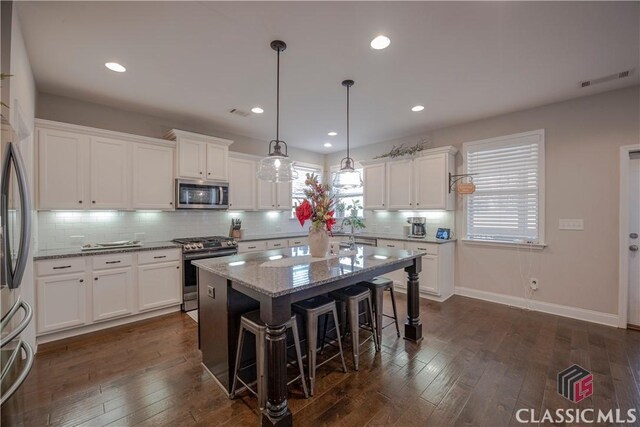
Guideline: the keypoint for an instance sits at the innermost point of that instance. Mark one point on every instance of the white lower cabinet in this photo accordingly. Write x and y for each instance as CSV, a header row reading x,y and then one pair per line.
x,y
436,278
112,293
61,301
157,285
398,276
244,247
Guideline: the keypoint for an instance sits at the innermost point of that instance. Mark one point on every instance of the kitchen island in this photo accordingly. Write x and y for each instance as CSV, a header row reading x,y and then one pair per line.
x,y
272,281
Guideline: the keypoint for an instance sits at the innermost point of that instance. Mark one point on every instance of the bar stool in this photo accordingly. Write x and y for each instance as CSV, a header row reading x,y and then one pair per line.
x,y
351,297
251,322
311,309
378,286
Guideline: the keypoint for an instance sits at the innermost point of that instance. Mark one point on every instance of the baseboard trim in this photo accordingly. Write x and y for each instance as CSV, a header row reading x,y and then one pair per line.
x,y
606,319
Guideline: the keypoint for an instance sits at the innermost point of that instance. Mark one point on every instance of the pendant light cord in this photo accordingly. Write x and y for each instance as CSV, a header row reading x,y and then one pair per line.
x,y
278,100
348,122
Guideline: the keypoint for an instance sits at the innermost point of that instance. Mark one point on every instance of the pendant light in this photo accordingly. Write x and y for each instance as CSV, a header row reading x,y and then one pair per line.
x,y
277,166
347,177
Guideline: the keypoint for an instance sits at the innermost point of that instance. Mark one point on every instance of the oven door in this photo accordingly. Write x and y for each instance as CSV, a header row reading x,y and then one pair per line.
x,y
201,195
190,271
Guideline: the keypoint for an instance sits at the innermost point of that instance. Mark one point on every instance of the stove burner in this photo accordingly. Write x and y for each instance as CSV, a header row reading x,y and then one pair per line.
x,y
192,244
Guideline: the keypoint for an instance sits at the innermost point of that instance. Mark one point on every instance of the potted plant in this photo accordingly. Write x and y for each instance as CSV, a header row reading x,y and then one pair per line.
x,y
353,220
318,208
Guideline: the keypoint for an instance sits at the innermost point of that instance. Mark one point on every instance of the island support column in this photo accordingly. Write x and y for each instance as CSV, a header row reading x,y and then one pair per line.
x,y
275,313
413,327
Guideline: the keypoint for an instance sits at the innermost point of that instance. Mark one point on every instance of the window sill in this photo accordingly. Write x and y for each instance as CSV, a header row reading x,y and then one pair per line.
x,y
504,244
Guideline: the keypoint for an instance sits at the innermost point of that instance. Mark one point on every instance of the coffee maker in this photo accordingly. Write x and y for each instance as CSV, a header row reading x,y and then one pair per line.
x,y
418,226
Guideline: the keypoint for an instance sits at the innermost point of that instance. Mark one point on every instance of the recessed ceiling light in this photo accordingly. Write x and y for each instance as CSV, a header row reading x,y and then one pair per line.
x,y
380,42
327,145
332,133
114,66
417,108
257,110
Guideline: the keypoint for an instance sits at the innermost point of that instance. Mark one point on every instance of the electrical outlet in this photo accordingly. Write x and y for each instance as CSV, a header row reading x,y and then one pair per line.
x,y
571,224
211,292
139,236
533,283
278,229
76,240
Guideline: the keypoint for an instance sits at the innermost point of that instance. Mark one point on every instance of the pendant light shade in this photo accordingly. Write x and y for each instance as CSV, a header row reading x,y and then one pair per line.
x,y
347,178
277,166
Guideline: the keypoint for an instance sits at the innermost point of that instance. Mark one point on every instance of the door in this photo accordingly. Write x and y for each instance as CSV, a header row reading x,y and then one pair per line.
x,y
191,158
159,285
217,162
283,195
109,174
633,317
374,186
429,182
242,184
266,195
152,177
61,302
112,293
63,170
399,184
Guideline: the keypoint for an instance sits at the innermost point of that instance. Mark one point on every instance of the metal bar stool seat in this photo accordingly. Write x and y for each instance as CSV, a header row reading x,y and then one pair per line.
x,y
311,309
378,286
350,297
251,322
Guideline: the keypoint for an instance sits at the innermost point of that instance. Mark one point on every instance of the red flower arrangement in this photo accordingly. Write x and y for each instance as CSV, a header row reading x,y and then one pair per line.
x,y
318,206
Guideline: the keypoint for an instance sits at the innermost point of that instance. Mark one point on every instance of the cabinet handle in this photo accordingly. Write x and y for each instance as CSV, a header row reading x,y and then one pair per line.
x,y
278,205
60,268
161,256
273,206
95,278
422,249
81,280
112,262
93,201
79,201
251,247
391,246
200,173
417,204
171,203
209,173
409,204
276,245
178,267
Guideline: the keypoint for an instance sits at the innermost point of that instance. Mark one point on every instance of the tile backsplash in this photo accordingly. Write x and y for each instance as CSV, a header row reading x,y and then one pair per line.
x,y
59,230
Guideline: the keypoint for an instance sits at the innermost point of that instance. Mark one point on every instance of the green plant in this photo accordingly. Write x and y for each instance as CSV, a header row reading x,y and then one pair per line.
x,y
4,76
401,150
353,220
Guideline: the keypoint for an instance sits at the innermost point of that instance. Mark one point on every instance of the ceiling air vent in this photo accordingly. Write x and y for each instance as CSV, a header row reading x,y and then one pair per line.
x,y
238,112
608,78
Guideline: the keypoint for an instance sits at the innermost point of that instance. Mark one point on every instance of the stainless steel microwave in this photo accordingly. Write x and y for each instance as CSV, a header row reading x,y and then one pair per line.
x,y
194,194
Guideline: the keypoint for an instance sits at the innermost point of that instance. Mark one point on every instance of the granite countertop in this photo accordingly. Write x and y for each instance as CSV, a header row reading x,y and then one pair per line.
x,y
247,269
252,238
74,252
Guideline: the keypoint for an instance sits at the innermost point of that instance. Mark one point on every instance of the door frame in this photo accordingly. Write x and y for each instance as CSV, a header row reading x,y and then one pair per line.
x,y
623,264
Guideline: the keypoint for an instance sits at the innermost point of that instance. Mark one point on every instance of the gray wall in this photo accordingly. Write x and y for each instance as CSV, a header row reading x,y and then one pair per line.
x,y
69,110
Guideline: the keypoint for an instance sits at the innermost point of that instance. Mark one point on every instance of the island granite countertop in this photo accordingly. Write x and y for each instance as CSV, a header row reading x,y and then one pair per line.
x,y
75,252
250,270
401,237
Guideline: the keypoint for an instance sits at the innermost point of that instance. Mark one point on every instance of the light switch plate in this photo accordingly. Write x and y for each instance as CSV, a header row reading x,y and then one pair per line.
x,y
571,224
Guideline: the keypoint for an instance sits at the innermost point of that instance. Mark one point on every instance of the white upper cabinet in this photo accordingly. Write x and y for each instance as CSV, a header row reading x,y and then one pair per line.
x,y
242,183
283,196
109,174
273,196
63,170
374,186
431,182
201,156
400,184
152,177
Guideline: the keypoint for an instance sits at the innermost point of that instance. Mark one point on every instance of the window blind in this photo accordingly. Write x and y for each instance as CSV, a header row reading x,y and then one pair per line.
x,y
506,204
298,186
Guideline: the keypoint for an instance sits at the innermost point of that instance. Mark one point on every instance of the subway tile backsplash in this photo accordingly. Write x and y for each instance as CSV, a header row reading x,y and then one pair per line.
x,y
59,230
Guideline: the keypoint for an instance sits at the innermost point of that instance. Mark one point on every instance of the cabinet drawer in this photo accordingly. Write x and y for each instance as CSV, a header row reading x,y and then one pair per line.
x,y
151,257
252,246
277,244
429,248
300,241
394,244
111,261
59,266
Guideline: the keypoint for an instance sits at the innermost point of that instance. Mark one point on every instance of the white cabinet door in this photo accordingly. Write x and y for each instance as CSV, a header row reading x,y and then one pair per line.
x,y
429,274
61,302
159,285
191,158
244,247
266,195
374,186
217,159
430,182
63,170
109,174
399,184
242,184
113,293
283,198
152,177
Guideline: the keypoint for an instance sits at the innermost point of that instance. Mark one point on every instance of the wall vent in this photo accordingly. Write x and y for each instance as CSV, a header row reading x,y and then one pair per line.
x,y
608,78
239,112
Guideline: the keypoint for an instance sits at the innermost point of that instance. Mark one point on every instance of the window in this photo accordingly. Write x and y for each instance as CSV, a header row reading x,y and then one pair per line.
x,y
298,186
508,204
346,197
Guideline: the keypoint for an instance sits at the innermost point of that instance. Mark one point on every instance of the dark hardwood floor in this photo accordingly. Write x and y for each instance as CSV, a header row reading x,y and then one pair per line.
x,y
478,364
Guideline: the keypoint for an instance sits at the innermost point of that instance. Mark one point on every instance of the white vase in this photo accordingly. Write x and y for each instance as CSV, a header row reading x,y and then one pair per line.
x,y
318,242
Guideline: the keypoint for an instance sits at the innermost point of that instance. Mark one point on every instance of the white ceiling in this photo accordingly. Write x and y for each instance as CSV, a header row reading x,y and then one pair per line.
x,y
462,61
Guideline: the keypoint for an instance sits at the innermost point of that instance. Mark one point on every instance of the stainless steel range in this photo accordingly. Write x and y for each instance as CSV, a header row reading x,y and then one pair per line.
x,y
199,248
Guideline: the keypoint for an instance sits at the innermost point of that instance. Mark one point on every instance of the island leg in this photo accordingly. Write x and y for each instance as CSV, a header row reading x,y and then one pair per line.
x,y
276,412
413,327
